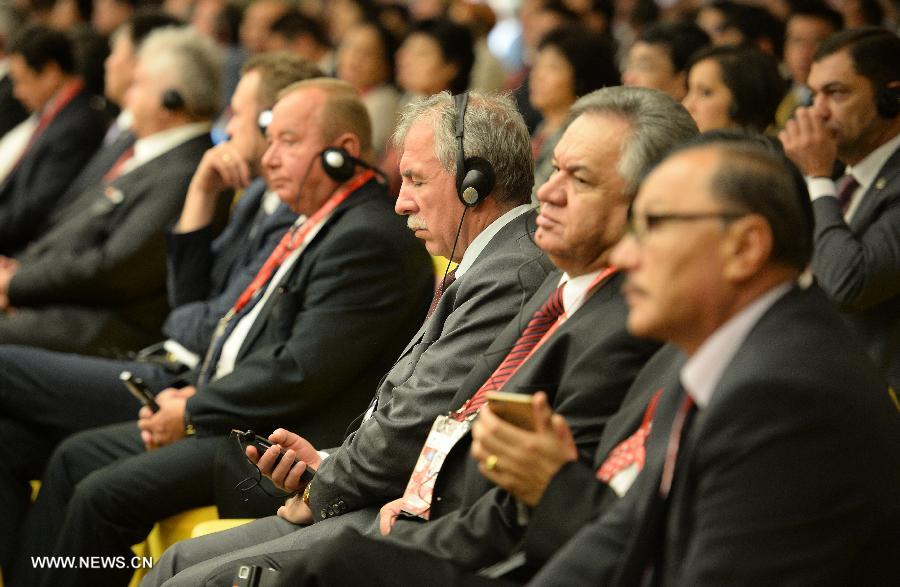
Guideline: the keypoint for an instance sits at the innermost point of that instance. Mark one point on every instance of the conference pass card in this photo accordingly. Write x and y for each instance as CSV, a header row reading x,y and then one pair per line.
x,y
445,433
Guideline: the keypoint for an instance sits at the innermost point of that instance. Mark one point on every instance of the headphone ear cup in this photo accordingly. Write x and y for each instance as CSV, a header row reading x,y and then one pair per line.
x,y
887,102
172,100
478,181
337,163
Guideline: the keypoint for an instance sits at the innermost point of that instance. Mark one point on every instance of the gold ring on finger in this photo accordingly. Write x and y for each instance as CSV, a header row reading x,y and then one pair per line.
x,y
490,463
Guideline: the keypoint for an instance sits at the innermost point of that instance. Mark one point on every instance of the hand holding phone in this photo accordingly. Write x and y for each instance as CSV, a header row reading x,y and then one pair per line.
x,y
250,438
514,408
139,389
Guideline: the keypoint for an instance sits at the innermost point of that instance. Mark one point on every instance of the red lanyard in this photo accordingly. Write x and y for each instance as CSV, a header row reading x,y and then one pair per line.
x,y
295,237
63,97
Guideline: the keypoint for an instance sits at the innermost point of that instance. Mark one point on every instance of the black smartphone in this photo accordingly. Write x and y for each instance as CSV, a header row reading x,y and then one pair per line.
x,y
249,438
139,389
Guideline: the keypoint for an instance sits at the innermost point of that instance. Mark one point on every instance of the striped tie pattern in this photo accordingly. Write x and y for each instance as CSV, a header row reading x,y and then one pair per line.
x,y
537,327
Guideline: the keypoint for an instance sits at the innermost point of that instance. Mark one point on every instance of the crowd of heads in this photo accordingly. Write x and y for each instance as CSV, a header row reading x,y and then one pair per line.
x,y
731,65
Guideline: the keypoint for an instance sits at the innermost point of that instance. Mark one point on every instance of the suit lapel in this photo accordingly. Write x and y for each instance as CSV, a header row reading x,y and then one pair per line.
x,y
296,277
885,182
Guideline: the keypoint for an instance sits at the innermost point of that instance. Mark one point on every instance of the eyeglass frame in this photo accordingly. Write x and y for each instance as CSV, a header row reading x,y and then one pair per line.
x,y
653,221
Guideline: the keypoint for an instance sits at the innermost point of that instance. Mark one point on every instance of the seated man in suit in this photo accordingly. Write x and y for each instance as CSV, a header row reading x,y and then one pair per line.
x,y
753,471
96,281
67,128
304,343
46,395
855,117
118,75
583,363
499,269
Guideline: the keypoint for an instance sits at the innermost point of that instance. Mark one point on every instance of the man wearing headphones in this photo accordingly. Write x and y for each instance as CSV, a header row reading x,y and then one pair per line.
x,y
471,206
855,118
303,344
568,342
96,281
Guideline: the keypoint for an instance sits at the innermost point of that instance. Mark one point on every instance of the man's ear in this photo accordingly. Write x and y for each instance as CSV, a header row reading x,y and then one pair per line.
x,y
349,142
747,247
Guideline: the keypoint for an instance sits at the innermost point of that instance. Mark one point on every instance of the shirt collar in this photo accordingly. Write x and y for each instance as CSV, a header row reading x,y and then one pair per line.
x,y
701,374
484,237
156,144
867,170
576,289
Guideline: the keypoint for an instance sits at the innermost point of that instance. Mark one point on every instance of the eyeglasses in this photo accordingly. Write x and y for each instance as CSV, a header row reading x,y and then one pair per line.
x,y
650,222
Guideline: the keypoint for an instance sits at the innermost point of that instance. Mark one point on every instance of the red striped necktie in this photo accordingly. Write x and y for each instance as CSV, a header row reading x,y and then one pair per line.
x,y
537,327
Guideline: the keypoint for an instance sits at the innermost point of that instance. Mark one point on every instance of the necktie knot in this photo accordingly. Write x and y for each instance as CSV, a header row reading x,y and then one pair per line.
x,y
846,186
439,291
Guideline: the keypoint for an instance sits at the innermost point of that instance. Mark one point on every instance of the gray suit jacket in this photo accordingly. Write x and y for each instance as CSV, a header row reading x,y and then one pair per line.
x,y
373,464
96,281
858,265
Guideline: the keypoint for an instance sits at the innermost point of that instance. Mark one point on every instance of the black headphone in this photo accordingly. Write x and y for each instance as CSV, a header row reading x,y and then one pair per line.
x,y
172,100
340,165
475,176
887,102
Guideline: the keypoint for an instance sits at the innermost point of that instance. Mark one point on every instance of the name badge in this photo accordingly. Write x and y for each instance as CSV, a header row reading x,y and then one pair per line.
x,y
445,433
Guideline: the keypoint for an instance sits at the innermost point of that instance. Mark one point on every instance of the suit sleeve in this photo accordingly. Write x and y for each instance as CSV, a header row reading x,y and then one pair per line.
x,y
591,556
334,323
192,323
126,258
857,271
373,465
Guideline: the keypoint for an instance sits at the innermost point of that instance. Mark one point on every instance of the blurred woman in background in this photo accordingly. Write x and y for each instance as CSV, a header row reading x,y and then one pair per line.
x,y
365,60
571,61
733,87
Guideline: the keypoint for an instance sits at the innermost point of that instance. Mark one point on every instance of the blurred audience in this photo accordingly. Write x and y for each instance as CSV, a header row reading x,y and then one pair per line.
x,y
365,60
571,62
64,130
733,87
659,57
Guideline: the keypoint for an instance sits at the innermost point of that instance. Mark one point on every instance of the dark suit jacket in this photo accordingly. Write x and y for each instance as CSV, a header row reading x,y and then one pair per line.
x,y
373,464
97,280
574,495
33,189
207,273
11,110
585,367
78,194
789,476
858,265
330,330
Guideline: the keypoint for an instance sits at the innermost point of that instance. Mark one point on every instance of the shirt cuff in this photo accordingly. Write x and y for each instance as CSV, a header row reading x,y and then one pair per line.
x,y
323,455
819,187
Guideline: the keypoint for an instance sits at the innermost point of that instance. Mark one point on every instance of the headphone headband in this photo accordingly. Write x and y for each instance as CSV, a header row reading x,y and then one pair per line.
x,y
474,176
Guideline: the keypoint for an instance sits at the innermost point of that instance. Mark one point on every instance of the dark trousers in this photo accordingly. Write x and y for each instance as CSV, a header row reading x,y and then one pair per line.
x,y
44,397
102,492
351,558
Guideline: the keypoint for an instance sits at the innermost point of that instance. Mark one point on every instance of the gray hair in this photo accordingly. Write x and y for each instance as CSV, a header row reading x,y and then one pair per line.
x,y
658,123
493,130
188,63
